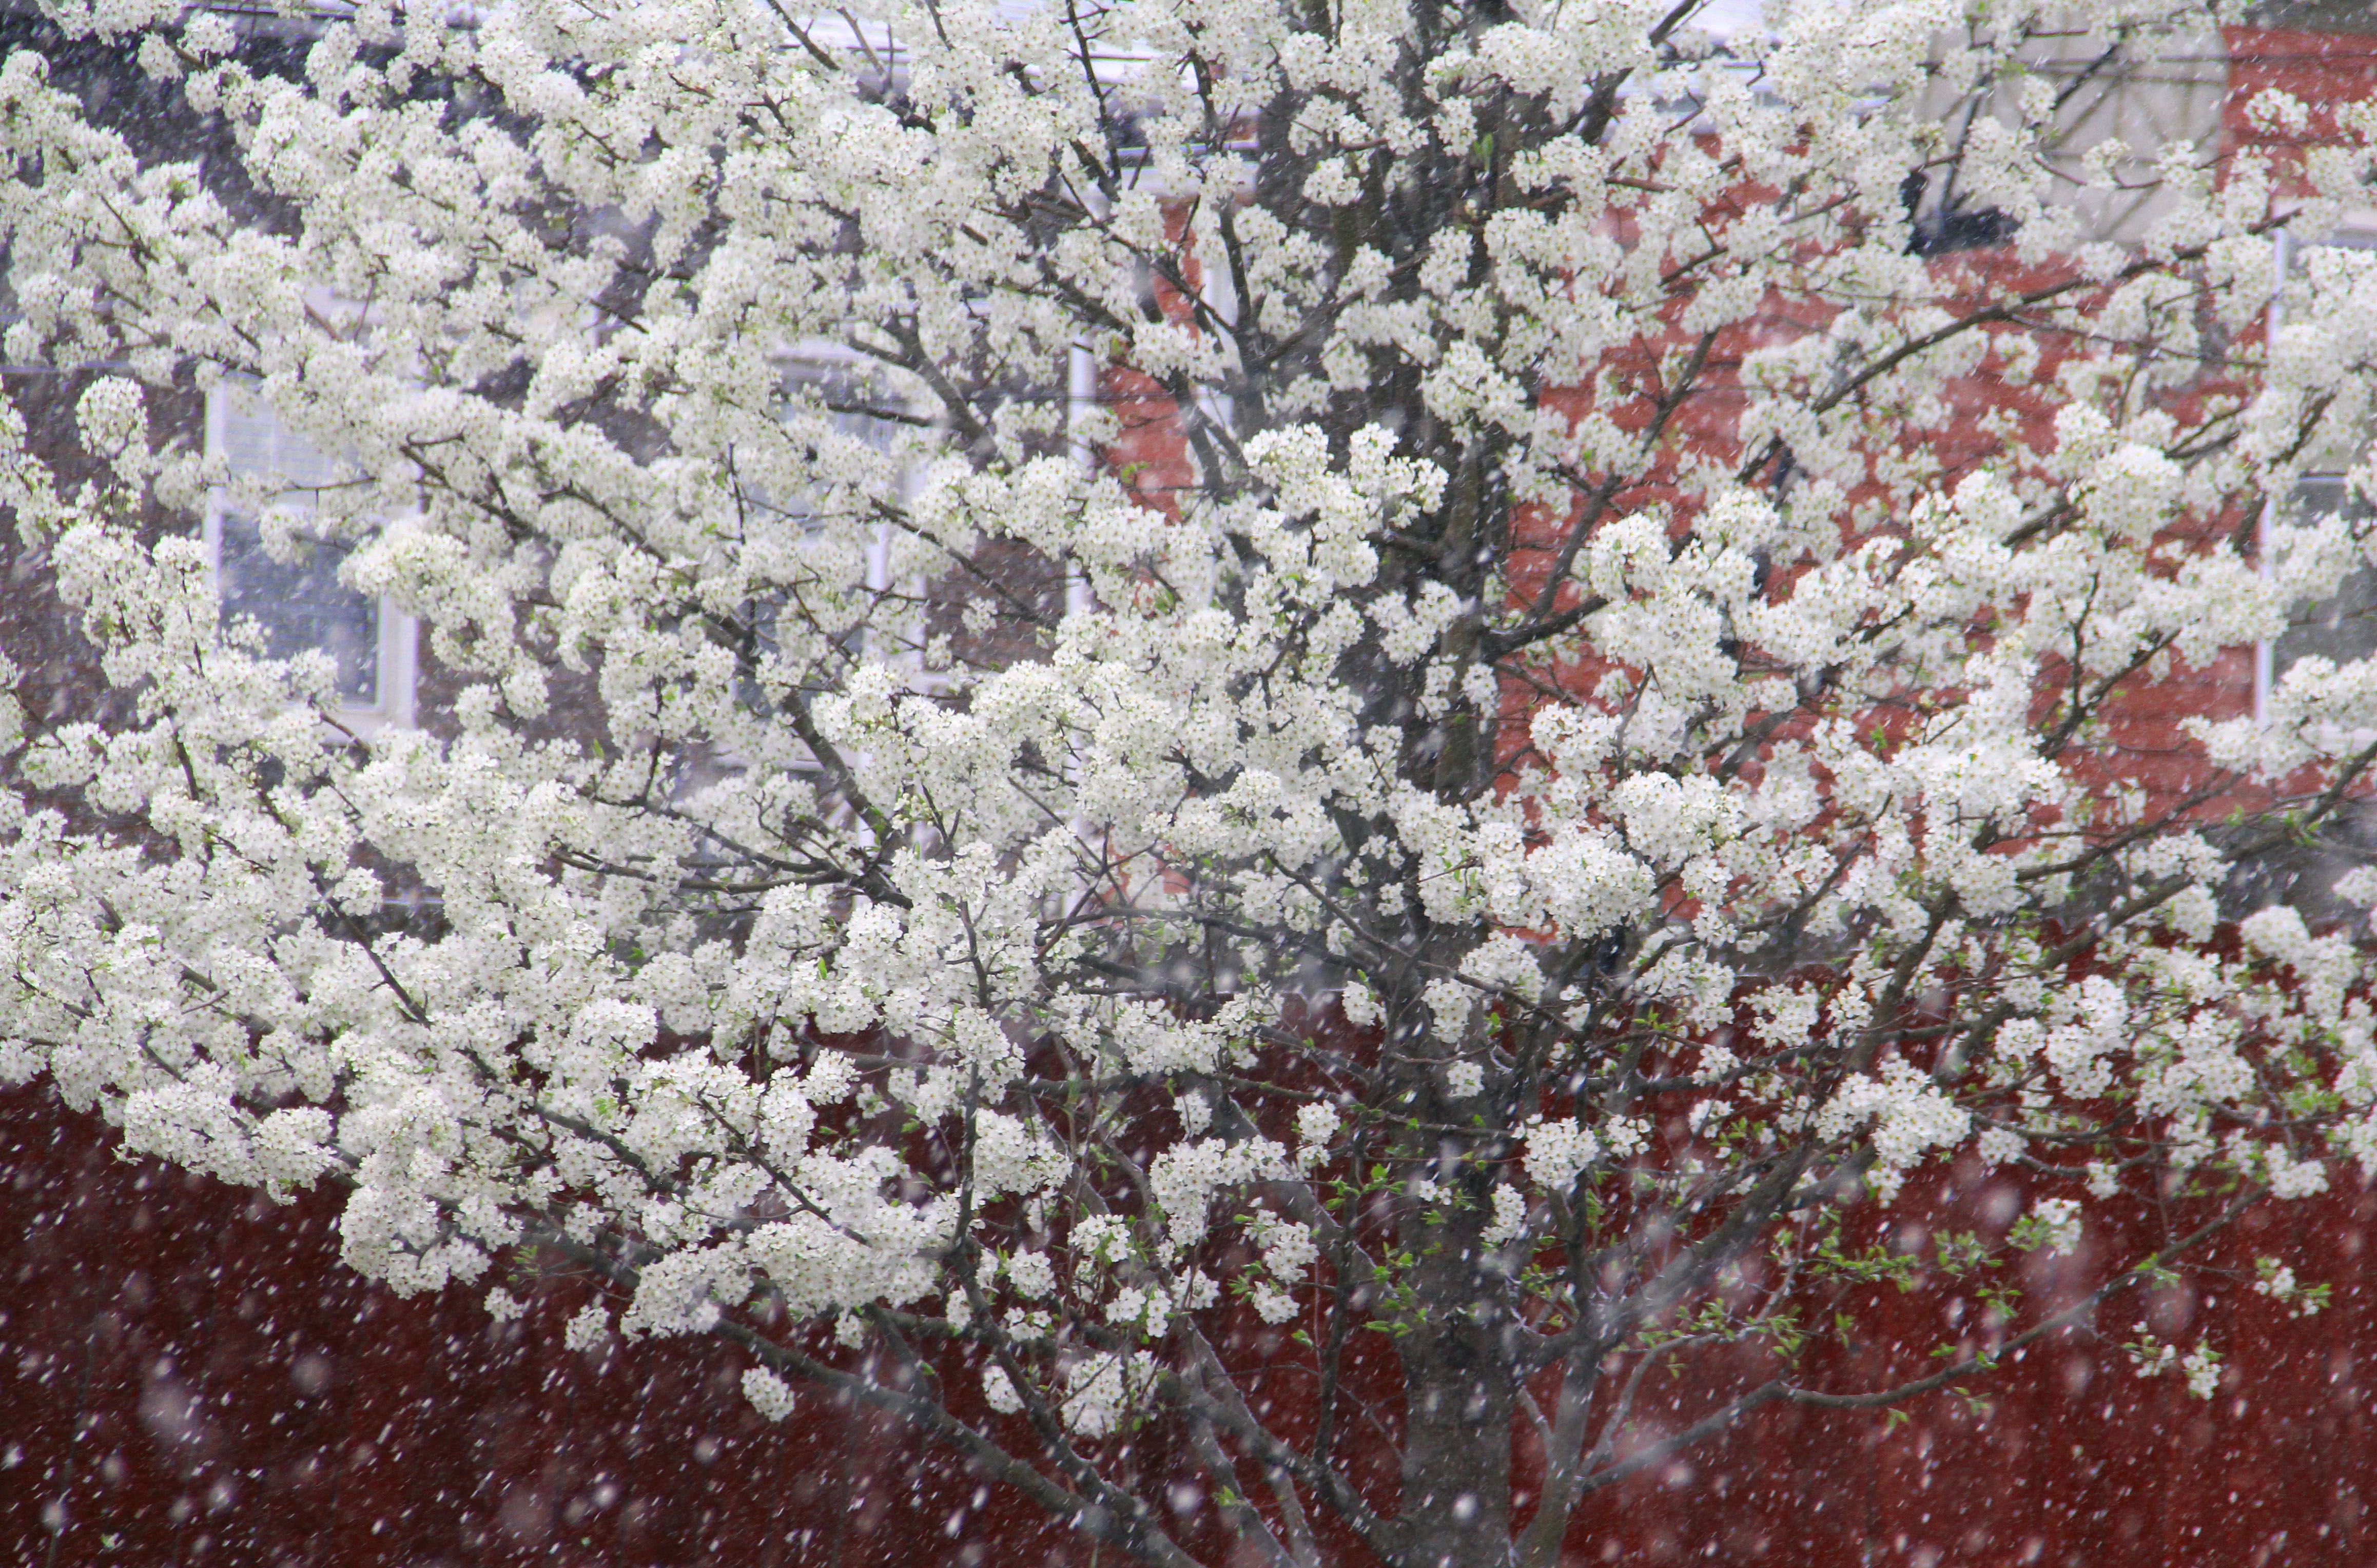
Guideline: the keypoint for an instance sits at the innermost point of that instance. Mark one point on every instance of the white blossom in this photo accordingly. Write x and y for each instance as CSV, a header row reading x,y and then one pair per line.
x,y
770,1394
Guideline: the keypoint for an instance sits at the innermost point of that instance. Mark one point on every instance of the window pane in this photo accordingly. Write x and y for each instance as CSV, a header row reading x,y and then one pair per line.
x,y
2344,628
254,442
848,395
301,604
2301,875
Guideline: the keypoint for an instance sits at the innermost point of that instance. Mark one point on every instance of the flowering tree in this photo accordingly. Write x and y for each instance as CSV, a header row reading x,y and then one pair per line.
x,y
1439,677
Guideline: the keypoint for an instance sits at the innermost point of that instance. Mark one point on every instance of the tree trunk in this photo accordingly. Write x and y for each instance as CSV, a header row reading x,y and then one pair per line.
x,y
1459,1392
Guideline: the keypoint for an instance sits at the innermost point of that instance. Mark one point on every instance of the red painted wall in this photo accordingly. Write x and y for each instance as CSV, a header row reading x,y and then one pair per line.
x,y
188,1377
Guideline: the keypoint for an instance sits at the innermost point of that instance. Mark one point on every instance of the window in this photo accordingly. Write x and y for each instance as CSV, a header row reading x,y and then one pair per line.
x,y
2344,628
2301,874
2138,95
846,396
854,405
831,400
298,602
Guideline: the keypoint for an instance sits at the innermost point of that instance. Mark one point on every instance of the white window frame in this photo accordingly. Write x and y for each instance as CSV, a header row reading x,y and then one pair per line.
x,y
398,674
